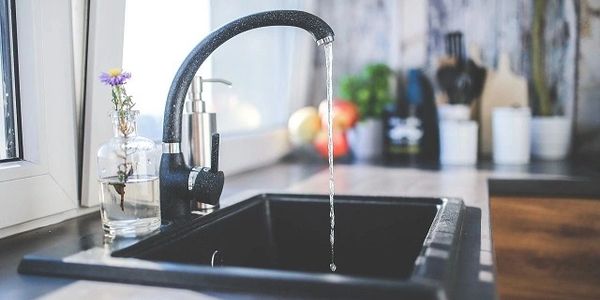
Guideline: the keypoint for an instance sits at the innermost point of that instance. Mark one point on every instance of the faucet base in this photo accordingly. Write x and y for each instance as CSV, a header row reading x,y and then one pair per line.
x,y
203,209
176,193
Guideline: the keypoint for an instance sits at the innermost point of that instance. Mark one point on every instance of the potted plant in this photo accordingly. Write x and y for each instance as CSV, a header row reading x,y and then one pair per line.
x,y
371,91
550,131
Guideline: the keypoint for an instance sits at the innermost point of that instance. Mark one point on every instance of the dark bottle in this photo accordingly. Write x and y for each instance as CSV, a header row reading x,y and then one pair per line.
x,y
402,130
410,125
427,113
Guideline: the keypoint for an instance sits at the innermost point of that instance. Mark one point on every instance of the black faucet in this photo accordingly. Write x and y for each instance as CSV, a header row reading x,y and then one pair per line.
x,y
180,183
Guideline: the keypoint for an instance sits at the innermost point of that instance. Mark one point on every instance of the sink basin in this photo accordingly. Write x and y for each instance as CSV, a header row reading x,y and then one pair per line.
x,y
276,242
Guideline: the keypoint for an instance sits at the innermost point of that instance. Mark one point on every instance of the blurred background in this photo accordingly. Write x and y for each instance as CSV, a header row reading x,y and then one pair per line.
x,y
445,81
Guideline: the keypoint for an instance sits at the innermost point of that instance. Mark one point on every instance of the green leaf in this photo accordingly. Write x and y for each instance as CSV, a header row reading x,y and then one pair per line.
x,y
370,90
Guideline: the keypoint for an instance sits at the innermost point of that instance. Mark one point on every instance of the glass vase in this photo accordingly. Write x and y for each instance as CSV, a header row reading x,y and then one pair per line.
x,y
128,167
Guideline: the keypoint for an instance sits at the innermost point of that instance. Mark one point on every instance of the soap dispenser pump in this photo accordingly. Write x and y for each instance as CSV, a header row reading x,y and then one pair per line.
x,y
199,128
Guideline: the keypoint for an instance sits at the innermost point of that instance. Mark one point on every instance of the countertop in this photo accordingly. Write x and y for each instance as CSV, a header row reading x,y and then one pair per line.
x,y
473,185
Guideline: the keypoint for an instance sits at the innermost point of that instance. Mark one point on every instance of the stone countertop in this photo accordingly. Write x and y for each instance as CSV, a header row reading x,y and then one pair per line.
x,y
473,185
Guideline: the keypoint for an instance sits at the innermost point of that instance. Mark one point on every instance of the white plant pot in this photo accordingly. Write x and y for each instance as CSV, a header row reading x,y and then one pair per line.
x,y
510,135
366,139
458,142
550,137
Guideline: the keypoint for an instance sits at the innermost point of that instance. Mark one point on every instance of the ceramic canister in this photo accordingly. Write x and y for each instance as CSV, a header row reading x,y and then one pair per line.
x,y
458,142
458,135
511,135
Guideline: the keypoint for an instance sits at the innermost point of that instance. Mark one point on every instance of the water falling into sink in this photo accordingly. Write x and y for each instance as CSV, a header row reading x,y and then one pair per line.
x,y
329,66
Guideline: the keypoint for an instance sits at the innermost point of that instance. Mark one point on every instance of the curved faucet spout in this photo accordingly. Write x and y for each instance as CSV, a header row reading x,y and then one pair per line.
x,y
176,98
179,183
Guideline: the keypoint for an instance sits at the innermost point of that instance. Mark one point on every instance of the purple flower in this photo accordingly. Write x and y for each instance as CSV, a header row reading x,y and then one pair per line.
x,y
114,77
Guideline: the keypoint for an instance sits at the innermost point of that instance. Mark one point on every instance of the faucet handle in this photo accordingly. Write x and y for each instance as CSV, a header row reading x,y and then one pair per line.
x,y
204,184
214,155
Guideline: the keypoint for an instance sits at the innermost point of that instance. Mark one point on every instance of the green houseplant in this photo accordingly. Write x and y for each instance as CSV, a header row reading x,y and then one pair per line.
x,y
371,91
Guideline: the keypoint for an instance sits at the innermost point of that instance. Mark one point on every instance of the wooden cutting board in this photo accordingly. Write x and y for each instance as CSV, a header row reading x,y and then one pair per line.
x,y
501,88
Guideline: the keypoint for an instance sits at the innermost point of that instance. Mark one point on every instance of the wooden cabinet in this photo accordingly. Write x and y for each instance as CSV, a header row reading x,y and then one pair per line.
x,y
546,248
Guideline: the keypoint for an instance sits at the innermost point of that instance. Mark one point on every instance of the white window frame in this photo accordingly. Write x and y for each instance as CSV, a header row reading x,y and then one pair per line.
x,y
45,182
105,45
105,50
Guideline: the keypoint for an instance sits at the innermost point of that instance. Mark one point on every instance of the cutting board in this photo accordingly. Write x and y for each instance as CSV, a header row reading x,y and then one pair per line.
x,y
501,88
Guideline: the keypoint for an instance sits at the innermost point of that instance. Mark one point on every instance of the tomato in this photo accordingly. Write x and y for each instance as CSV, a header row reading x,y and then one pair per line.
x,y
345,113
340,143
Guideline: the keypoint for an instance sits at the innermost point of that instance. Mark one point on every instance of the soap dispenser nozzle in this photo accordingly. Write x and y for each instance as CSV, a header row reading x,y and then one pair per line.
x,y
195,93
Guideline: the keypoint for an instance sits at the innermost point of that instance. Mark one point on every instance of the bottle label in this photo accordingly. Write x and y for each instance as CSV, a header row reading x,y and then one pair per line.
x,y
404,135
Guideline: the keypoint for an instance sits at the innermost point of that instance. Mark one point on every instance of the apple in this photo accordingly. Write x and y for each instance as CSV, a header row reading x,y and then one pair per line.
x,y
303,125
345,113
340,143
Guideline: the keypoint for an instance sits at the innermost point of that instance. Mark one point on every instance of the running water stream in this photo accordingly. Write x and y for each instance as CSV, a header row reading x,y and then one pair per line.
x,y
329,66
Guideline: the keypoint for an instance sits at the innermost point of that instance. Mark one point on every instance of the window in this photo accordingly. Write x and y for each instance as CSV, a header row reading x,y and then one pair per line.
x,y
153,51
260,63
268,68
9,136
45,169
43,182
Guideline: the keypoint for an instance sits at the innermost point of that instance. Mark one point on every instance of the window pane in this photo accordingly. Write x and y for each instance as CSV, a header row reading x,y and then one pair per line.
x,y
260,63
9,146
158,36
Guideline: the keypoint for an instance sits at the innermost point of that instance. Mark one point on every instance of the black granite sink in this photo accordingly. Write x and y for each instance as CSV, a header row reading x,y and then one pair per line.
x,y
385,246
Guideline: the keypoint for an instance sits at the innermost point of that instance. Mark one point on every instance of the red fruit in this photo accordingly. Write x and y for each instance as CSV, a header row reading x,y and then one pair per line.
x,y
345,113
340,143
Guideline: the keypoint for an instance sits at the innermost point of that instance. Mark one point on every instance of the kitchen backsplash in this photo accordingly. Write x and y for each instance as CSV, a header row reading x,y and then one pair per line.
x,y
410,33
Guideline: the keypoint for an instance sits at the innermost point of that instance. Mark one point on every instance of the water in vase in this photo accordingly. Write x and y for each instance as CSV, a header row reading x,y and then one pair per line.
x,y
130,210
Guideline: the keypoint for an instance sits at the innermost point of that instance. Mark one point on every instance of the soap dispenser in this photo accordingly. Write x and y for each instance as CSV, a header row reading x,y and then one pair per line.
x,y
198,128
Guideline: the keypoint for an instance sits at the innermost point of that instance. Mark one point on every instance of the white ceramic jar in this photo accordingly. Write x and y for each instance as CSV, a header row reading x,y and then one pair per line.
x,y
458,142
511,135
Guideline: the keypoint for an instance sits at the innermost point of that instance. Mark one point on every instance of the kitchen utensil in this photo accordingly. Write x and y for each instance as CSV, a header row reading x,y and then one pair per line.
x,y
501,88
462,79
